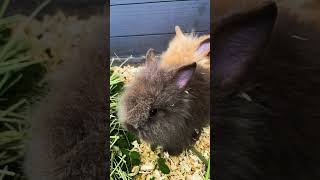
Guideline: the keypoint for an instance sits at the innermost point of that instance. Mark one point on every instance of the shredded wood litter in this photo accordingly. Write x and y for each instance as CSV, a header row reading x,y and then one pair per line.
x,y
55,37
186,166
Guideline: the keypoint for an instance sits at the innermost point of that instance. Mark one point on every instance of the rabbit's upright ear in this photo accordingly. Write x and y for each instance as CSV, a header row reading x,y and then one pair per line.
x,y
179,32
183,75
204,46
238,41
150,56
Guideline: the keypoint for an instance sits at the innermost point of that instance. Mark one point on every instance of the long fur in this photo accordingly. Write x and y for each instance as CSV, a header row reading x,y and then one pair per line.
x,y
181,114
68,135
274,134
182,51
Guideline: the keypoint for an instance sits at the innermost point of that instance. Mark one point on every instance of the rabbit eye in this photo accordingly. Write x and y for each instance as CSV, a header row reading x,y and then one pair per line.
x,y
153,112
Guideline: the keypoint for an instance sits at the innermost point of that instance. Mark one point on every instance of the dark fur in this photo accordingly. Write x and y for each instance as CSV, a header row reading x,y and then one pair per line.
x,y
69,125
180,113
276,135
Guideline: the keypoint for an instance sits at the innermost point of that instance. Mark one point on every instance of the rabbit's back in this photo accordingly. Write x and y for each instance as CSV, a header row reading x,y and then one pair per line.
x,y
182,50
69,124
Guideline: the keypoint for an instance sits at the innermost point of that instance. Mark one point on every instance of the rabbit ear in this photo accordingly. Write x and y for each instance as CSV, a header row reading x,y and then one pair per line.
x,y
204,47
184,74
150,56
179,32
238,42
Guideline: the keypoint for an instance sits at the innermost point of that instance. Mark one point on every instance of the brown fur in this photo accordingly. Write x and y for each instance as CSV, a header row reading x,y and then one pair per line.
x,y
181,113
68,134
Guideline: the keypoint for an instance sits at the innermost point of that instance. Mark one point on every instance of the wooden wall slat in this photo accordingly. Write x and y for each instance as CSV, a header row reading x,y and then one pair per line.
x,y
122,2
159,18
138,45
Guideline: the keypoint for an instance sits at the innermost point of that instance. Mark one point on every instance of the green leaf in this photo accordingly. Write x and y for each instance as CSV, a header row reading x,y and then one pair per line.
x,y
208,171
135,155
163,166
153,178
135,158
122,142
125,151
131,137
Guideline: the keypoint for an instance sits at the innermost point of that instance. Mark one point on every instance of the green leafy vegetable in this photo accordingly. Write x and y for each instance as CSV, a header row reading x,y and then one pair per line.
x,y
122,158
163,166
135,158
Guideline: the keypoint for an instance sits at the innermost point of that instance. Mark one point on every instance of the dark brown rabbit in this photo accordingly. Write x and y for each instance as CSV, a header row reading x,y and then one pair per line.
x,y
266,88
168,101
69,129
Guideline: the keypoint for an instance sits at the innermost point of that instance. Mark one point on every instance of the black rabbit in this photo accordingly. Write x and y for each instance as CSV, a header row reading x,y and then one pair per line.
x,y
266,88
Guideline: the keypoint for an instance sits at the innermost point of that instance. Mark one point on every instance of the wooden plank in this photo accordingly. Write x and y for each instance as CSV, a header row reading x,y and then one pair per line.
x,y
138,45
159,18
126,2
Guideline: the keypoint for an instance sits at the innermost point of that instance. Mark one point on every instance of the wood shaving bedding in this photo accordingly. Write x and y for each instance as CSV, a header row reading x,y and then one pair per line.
x,y
57,37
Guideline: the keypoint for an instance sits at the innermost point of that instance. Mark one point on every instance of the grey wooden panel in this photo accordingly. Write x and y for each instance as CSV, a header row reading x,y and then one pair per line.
x,y
138,45
159,18
122,2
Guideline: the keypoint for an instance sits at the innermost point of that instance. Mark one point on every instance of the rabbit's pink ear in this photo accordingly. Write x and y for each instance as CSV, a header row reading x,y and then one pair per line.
x,y
150,56
184,75
204,47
